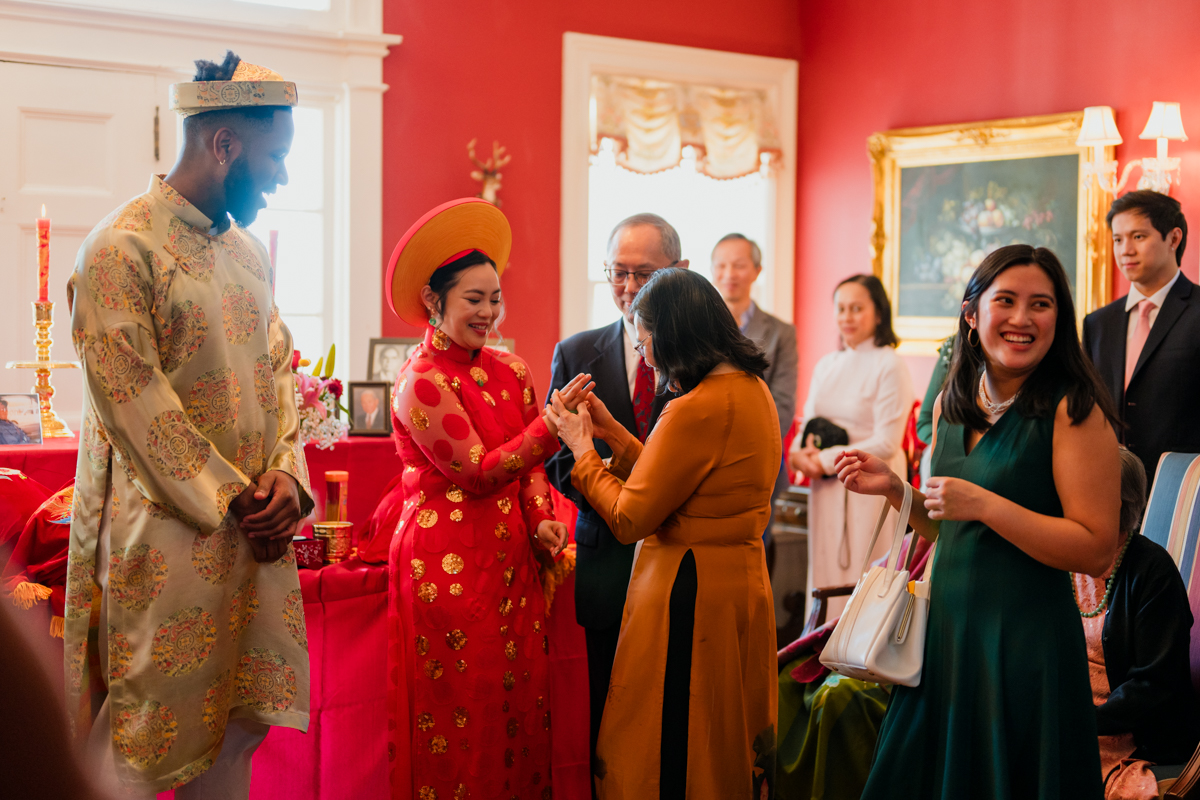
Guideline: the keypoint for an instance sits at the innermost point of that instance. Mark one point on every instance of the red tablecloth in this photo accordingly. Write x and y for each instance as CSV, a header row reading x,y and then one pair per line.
x,y
52,464
372,461
344,753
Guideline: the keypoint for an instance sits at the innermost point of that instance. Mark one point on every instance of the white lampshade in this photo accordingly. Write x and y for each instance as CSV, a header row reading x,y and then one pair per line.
x,y
1099,128
1164,123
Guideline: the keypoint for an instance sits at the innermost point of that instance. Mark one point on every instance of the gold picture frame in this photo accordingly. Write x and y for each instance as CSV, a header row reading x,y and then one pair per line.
x,y
958,224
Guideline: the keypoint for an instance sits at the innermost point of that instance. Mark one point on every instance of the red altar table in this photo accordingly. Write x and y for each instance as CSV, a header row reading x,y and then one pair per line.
x,y
344,753
51,464
371,461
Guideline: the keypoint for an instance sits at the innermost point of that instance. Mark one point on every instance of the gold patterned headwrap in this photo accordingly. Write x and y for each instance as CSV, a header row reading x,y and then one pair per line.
x,y
251,85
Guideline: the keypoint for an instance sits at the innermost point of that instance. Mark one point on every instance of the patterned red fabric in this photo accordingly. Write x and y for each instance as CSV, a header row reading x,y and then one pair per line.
x,y
466,622
643,398
913,447
20,496
40,553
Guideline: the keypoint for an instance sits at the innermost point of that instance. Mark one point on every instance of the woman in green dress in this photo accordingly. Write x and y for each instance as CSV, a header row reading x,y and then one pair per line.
x,y
1026,489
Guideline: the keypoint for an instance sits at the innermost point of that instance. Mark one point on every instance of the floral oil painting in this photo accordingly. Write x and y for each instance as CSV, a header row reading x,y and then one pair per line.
x,y
953,215
947,195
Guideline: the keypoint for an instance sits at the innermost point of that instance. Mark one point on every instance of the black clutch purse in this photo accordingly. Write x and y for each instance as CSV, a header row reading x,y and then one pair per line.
x,y
825,434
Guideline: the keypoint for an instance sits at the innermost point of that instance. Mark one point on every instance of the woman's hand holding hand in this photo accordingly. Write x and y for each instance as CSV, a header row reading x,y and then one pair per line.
x,y
552,536
956,499
571,395
574,428
576,391
604,426
862,473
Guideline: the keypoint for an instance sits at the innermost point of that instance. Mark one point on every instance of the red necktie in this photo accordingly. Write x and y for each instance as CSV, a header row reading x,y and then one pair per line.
x,y
1141,332
643,398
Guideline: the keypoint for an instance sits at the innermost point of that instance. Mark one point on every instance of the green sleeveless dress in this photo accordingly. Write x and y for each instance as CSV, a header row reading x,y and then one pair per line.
x,y
1004,709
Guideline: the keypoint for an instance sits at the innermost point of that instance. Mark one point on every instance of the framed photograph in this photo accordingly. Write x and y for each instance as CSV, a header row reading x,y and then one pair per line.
x,y
387,356
948,195
370,408
20,419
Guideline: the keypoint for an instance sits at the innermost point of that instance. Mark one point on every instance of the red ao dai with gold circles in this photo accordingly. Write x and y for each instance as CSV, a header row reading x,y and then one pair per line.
x,y
467,650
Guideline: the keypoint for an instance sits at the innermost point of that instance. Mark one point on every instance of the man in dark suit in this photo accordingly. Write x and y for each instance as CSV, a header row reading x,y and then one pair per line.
x,y
1147,344
736,265
368,417
625,384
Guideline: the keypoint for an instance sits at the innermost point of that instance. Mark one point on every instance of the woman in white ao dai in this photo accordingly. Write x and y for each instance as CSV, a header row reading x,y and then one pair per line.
x,y
863,387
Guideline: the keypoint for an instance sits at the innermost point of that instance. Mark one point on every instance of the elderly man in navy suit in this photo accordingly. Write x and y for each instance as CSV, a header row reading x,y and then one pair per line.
x,y
637,247
1146,345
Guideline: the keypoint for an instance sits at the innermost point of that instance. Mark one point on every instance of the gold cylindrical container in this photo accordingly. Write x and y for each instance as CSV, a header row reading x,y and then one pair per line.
x,y
336,536
336,483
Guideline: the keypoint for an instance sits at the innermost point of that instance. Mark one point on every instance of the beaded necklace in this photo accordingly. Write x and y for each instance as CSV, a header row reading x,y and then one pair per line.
x,y
1108,585
992,408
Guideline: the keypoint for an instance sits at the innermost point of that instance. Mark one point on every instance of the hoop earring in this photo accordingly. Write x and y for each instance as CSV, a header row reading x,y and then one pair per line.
x,y
222,162
976,342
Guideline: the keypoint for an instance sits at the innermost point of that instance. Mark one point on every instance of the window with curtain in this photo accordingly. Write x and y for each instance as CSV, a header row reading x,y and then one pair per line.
x,y
701,157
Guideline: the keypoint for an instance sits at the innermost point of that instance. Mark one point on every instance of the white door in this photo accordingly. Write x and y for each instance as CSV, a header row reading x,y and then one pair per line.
x,y
81,141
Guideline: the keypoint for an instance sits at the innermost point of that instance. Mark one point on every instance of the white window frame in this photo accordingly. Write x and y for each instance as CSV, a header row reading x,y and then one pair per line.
x,y
339,63
585,55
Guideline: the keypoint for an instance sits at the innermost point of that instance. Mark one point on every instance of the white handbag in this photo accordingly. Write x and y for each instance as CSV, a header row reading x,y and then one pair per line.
x,y
881,634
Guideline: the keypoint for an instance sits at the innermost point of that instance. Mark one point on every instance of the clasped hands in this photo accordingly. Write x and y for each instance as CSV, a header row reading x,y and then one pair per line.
x,y
807,460
269,513
577,416
945,498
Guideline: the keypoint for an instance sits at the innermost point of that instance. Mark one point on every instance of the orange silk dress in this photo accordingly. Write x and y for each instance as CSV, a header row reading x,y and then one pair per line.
x,y
702,482
468,656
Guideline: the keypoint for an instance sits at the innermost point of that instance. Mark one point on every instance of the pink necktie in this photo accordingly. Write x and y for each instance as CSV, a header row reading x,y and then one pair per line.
x,y
1140,333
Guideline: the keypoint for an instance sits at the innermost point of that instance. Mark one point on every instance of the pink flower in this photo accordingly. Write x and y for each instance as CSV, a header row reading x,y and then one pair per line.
x,y
295,360
310,394
335,388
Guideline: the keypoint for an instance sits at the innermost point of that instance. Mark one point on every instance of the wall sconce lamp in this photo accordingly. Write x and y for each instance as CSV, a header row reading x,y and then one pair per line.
x,y
1099,130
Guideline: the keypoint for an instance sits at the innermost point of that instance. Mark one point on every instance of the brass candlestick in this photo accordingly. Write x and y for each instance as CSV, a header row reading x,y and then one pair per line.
x,y
53,425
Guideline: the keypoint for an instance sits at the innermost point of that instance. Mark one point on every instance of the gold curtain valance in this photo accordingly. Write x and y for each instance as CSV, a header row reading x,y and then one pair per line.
x,y
652,121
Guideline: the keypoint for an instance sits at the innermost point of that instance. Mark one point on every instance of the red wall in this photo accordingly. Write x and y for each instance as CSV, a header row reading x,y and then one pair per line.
x,y
868,66
492,69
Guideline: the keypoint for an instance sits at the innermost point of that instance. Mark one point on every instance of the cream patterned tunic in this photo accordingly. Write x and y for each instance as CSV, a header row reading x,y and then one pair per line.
x,y
188,397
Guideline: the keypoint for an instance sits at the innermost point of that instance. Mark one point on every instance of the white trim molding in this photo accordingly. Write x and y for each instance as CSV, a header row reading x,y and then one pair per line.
x,y
585,55
336,55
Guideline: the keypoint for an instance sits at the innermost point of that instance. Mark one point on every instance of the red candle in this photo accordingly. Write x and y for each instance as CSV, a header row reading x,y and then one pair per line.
x,y
273,239
43,238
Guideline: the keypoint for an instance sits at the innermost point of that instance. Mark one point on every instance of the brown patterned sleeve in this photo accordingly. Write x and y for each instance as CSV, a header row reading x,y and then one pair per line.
x,y
159,439
288,453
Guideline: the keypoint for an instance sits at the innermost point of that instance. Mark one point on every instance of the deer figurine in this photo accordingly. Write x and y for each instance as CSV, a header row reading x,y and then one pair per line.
x,y
488,172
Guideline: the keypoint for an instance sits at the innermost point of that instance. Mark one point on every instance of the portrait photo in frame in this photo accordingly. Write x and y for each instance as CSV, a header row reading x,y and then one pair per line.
x,y
947,195
370,408
387,355
20,419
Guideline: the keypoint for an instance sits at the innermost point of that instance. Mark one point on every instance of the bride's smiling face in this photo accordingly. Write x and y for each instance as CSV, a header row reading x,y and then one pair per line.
x,y
471,307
